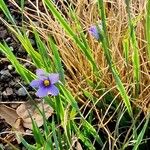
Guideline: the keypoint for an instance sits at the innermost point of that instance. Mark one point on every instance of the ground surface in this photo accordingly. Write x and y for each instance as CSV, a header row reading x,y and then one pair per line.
x,y
12,87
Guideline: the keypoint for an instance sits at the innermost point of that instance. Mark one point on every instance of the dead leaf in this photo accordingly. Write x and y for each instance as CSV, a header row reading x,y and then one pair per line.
x,y
8,114
27,108
13,119
18,127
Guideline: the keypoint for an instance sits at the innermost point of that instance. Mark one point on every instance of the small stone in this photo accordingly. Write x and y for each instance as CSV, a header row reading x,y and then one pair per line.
x,y
3,34
12,83
21,92
8,39
27,64
9,91
5,75
4,94
10,67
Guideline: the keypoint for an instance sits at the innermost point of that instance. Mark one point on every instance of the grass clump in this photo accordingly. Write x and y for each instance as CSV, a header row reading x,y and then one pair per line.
x,y
104,84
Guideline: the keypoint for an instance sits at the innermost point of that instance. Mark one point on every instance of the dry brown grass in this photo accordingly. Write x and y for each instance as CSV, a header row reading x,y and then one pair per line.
x,y
77,68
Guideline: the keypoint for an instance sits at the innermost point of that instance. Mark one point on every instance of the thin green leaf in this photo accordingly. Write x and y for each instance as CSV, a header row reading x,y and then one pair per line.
x,y
105,44
126,50
24,73
54,135
141,135
43,52
57,60
135,56
4,8
148,28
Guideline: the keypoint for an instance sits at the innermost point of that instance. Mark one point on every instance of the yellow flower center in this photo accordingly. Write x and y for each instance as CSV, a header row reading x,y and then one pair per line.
x,y
46,83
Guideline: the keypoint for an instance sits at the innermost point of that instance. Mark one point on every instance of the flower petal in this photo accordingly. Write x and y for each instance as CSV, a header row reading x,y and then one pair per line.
x,y
35,83
53,90
94,32
42,92
40,73
53,77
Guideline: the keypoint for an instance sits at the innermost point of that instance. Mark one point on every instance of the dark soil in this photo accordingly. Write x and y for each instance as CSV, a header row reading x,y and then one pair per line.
x,y
12,88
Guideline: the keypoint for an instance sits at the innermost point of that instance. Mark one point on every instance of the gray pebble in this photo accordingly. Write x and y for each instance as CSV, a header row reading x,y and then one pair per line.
x,y
10,67
8,91
26,64
3,34
21,92
8,39
5,75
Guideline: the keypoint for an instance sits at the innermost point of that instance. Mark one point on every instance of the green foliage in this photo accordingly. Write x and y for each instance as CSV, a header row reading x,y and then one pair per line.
x,y
5,10
57,60
96,117
135,56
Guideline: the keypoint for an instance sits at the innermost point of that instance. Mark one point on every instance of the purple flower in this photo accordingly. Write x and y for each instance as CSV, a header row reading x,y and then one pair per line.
x,y
45,83
94,31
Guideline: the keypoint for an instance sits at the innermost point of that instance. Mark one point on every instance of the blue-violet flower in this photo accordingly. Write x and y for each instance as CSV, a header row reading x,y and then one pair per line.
x,y
94,31
45,83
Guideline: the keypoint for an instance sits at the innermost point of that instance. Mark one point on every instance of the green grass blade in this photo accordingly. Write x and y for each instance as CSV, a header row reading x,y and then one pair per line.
x,y
26,145
148,27
126,50
4,8
43,52
45,123
105,44
69,98
54,135
135,56
30,50
141,135
57,60
24,73
48,144
37,133
92,131
122,90
87,142
59,108
23,38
